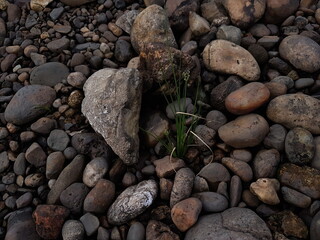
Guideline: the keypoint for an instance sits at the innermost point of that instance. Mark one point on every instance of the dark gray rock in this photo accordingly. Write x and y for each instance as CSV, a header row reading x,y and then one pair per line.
x,y
212,202
49,74
56,13
59,45
73,230
70,174
126,20
35,155
103,234
19,166
21,226
44,125
112,106
90,223
123,51
4,161
73,196
132,202
234,223
58,140
136,232
295,198
299,146
265,163
315,227
235,191
24,200
29,103
215,173
54,164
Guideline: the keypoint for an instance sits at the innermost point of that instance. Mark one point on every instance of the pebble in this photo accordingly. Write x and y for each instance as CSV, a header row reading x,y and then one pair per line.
x,y
49,220
94,171
303,179
241,154
4,161
103,234
302,83
29,103
212,202
126,20
259,30
133,201
235,191
265,163
245,131
276,89
91,223
276,137
73,230
198,25
43,125
207,136
215,119
34,180
73,196
49,74
225,225
76,79
314,227
35,155
147,26
290,49
58,140
295,198
70,174
266,190
185,214
229,33
59,45
136,232
19,166
299,146
182,185
24,200
99,199
165,188
275,14
214,173
240,168
123,51
216,57
315,163
250,199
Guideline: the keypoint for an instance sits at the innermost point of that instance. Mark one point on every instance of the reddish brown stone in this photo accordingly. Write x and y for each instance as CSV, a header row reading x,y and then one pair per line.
x,y
166,167
185,213
49,220
247,98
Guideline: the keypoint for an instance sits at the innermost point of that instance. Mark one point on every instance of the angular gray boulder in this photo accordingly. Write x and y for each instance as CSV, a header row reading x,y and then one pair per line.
x,y
112,106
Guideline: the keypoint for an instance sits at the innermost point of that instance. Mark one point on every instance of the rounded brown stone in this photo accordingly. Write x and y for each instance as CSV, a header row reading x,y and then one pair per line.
x,y
276,89
185,213
278,10
247,98
240,168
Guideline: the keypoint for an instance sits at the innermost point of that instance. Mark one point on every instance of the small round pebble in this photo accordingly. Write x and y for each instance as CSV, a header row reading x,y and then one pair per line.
x,y
73,230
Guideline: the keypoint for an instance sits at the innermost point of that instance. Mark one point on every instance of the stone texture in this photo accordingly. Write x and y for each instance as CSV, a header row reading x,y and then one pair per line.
x,y
39,5
234,223
73,230
247,98
295,198
94,171
215,173
303,179
70,174
185,213
276,137
4,161
132,202
245,131
90,223
29,103
212,201
49,74
151,25
229,58
49,220
296,110
302,52
73,196
58,140
240,168
112,106
265,163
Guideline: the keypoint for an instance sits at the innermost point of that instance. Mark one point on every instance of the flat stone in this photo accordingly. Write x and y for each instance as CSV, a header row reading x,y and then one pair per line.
x,y
166,167
233,223
43,125
49,74
29,103
303,179
295,198
132,202
59,45
35,155
126,20
112,106
245,131
215,173
212,202
229,58
240,168
295,110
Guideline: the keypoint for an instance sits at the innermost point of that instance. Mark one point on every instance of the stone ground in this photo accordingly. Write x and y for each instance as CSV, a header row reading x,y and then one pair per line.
x,y
82,99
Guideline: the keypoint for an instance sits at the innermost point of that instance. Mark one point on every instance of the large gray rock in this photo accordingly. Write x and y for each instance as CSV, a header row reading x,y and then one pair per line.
x,y
112,106
132,202
296,110
151,25
49,74
29,103
234,223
